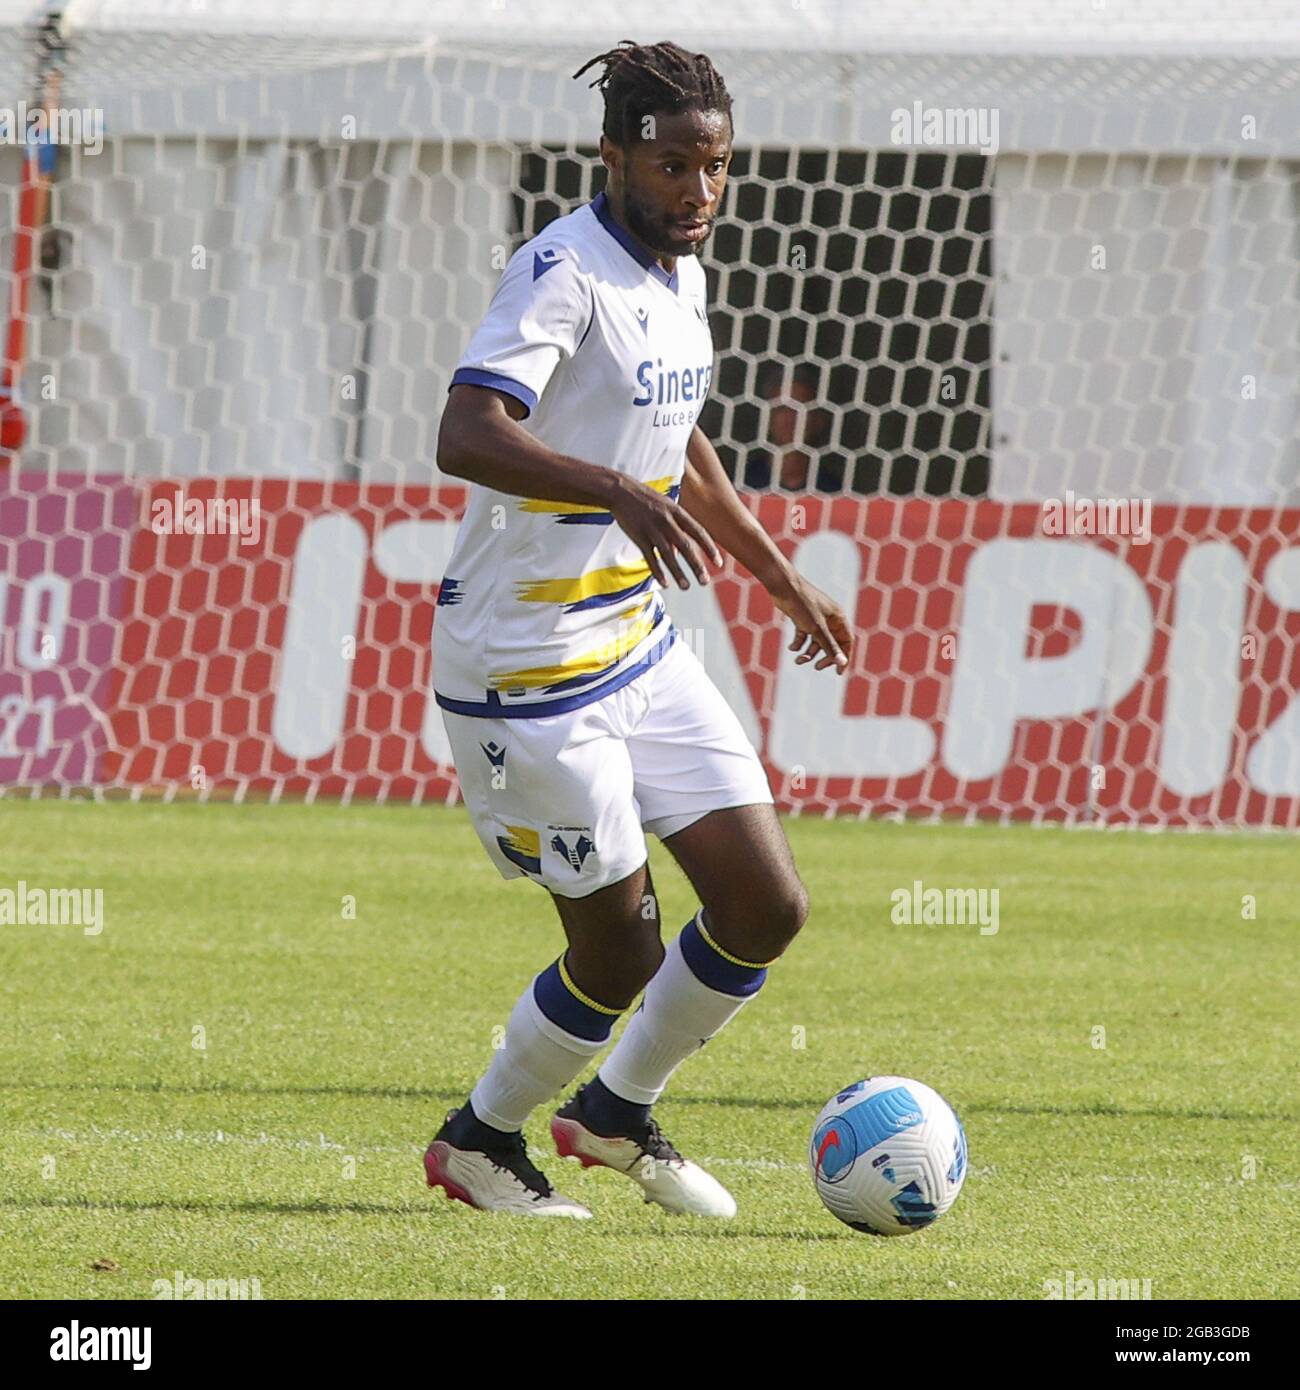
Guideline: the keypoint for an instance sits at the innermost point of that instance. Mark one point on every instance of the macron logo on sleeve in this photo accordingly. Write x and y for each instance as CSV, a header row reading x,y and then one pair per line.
x,y
545,260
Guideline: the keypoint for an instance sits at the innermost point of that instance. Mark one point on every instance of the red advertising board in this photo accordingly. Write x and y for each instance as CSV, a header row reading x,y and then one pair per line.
x,y
275,635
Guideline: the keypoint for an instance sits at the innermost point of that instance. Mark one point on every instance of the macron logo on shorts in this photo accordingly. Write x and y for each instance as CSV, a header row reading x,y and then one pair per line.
x,y
496,754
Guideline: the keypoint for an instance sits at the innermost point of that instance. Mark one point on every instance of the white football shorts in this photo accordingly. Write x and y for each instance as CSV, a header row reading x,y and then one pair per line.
x,y
566,799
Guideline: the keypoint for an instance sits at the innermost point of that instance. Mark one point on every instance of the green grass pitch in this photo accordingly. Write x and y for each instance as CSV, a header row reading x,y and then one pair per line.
x,y
286,1147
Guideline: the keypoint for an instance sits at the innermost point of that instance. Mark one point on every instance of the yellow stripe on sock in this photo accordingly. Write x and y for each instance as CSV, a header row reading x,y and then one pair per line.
x,y
578,994
726,955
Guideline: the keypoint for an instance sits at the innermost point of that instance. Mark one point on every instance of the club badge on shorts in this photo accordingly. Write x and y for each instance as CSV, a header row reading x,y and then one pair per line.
x,y
572,843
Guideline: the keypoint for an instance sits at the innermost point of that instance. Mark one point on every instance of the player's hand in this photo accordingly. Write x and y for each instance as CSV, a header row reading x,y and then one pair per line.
x,y
666,534
821,629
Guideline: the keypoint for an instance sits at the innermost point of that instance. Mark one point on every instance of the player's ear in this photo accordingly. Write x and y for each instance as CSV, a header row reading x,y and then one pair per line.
x,y
611,156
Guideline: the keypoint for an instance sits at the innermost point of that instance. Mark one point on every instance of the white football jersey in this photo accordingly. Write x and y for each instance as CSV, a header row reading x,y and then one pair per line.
x,y
546,606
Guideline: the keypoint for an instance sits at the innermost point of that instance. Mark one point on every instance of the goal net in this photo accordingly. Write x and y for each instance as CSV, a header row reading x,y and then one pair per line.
x,y
1004,302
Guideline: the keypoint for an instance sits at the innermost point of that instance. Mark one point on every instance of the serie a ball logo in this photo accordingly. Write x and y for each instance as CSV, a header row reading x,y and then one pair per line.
x,y
888,1156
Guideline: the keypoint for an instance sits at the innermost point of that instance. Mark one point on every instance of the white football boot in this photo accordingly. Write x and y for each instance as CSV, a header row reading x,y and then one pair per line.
x,y
498,1179
647,1158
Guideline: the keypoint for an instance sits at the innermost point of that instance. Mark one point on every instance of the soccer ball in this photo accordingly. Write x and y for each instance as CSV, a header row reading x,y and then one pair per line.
x,y
888,1156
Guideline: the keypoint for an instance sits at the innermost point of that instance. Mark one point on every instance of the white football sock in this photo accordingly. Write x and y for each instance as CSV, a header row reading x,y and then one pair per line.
x,y
678,1014
539,1057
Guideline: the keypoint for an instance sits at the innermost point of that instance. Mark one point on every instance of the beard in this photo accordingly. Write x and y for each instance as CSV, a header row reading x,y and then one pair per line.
x,y
656,230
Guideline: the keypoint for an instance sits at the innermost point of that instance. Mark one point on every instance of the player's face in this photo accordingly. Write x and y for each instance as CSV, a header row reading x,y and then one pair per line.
x,y
673,183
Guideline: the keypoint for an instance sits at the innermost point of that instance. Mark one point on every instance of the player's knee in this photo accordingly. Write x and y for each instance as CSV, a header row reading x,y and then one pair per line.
x,y
766,923
624,968
785,914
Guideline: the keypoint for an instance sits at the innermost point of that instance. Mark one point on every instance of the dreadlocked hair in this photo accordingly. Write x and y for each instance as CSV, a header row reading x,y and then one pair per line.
x,y
639,79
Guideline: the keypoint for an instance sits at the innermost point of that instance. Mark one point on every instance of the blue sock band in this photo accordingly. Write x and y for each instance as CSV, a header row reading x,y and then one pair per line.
x,y
713,966
569,1008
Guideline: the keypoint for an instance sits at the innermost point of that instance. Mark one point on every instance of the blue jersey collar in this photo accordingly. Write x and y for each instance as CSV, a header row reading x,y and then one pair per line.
x,y
600,206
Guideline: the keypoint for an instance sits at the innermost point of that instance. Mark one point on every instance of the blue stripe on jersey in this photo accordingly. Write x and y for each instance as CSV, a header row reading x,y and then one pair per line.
x,y
495,708
449,592
474,376
556,998
604,600
712,968
600,206
588,676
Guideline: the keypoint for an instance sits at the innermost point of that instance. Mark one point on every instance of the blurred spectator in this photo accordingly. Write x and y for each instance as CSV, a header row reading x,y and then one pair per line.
x,y
797,433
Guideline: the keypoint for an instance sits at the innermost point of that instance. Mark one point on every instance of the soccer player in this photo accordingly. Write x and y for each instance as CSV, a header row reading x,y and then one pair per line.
x,y
576,719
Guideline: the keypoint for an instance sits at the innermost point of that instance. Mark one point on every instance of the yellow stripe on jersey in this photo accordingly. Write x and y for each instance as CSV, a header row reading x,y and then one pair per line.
x,y
611,580
587,664
539,504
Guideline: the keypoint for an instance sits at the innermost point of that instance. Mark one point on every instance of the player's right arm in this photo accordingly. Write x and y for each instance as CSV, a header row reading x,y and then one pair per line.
x,y
540,314
481,441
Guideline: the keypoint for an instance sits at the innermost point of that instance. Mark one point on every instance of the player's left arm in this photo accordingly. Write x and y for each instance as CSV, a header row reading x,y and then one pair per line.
x,y
821,629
